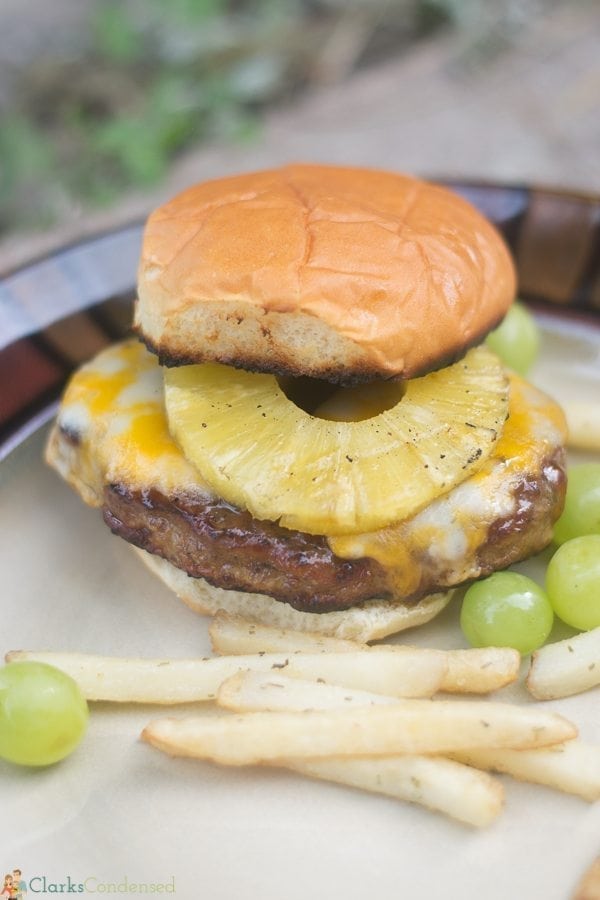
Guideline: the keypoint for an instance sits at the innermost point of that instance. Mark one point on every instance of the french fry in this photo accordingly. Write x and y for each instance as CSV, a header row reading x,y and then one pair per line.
x,y
565,667
468,671
428,781
480,670
583,423
573,768
231,635
407,726
416,674
589,886
439,784
270,692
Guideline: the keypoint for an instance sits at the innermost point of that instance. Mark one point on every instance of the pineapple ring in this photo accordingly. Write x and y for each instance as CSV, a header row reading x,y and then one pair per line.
x,y
261,452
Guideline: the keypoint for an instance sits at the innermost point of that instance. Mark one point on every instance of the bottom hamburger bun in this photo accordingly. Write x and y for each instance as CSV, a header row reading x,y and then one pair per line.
x,y
369,621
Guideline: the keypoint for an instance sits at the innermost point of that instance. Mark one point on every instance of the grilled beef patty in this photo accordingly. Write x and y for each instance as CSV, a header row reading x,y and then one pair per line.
x,y
226,546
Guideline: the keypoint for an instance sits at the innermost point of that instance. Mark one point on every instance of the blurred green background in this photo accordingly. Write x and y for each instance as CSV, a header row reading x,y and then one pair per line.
x,y
100,97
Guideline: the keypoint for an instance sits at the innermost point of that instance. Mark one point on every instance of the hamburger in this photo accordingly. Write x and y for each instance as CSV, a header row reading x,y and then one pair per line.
x,y
308,429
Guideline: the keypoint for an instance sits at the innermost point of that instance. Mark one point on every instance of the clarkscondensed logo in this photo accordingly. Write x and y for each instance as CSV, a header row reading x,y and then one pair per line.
x,y
16,887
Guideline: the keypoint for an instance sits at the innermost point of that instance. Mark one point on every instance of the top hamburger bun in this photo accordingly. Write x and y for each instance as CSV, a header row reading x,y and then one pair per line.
x,y
344,274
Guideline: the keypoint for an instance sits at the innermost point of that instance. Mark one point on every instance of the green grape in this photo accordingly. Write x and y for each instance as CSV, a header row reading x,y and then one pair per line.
x,y
573,582
506,610
517,339
43,715
581,514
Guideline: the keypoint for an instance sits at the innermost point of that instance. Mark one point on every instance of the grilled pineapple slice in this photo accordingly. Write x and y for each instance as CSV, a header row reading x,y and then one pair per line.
x,y
259,451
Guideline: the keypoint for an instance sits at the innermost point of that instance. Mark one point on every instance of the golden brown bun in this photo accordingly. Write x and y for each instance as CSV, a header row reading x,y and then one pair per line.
x,y
339,273
368,621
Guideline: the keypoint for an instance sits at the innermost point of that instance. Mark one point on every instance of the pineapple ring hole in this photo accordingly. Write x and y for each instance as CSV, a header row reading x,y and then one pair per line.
x,y
342,404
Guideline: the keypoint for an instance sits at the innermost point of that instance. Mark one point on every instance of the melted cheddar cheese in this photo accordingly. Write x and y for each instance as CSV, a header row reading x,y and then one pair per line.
x,y
447,534
113,411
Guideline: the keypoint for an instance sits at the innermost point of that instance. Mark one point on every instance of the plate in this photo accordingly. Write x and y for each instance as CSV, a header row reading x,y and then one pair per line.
x,y
118,816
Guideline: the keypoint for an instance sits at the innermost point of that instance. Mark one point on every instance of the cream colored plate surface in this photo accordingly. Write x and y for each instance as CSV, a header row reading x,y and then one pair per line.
x,y
118,812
